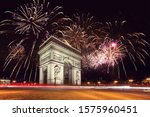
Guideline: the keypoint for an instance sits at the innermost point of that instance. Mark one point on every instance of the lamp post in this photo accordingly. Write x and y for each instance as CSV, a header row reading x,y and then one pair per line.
x,y
98,82
130,81
115,82
88,83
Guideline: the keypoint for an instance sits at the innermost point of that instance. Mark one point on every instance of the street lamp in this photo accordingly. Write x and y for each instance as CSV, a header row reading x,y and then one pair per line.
x,y
14,81
98,82
115,81
130,81
88,83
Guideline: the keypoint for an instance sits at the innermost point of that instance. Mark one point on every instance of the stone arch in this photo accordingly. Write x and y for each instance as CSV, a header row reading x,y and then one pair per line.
x,y
63,63
45,75
67,73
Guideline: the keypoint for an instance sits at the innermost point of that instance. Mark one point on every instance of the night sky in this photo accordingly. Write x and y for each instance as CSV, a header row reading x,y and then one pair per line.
x,y
135,12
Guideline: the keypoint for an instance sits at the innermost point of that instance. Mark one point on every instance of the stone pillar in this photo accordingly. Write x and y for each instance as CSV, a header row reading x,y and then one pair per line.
x,y
71,76
62,74
41,76
49,80
78,80
76,76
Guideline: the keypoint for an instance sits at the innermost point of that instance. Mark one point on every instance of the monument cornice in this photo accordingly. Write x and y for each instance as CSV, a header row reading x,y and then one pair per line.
x,y
61,43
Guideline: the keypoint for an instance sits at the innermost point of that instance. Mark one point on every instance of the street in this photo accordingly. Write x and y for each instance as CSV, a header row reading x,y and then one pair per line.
x,y
46,93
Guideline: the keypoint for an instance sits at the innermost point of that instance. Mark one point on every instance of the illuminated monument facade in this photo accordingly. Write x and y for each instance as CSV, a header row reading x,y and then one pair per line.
x,y
60,63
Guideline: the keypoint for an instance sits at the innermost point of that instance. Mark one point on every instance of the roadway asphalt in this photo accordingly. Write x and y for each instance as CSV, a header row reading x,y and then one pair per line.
x,y
38,93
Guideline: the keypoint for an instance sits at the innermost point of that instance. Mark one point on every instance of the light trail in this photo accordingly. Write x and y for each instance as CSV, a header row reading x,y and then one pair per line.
x,y
78,87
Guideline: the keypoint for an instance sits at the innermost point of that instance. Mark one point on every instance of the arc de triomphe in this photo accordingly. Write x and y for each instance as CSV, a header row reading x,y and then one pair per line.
x,y
60,63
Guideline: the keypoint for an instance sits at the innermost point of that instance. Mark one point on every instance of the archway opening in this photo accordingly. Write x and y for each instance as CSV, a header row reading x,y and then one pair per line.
x,y
45,76
67,73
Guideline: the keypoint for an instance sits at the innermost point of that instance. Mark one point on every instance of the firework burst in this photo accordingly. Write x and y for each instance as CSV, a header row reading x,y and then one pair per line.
x,y
118,47
75,36
16,51
109,53
33,17
134,42
30,21
78,31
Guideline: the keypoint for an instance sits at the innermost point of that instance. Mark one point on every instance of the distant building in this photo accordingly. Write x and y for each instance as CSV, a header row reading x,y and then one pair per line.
x,y
60,63
4,81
